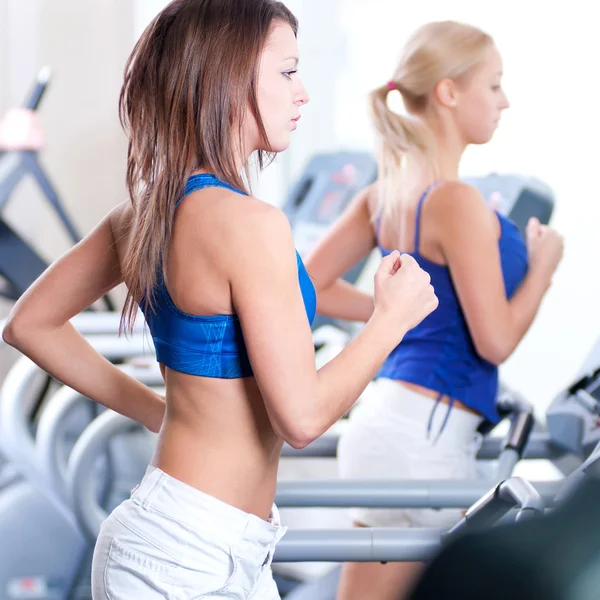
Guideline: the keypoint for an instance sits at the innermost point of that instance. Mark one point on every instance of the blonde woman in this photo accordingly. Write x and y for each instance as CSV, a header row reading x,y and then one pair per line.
x,y
436,387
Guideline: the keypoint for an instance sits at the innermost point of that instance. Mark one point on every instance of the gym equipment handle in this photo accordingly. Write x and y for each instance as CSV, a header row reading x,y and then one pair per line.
x,y
41,84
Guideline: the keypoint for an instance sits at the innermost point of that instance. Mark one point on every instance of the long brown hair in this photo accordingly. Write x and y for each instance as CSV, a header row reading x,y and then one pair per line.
x,y
188,82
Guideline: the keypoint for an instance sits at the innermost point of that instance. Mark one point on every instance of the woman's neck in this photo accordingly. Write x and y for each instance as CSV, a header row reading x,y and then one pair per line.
x,y
449,147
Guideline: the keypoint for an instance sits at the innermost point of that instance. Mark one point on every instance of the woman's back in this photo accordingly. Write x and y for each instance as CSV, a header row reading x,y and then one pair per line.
x,y
439,354
216,428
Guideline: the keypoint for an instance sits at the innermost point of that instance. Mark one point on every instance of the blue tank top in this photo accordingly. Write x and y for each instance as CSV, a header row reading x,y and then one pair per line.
x,y
439,353
207,346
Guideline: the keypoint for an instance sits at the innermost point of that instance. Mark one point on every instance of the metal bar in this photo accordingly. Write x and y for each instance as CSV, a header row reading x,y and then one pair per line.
x,y
539,446
520,430
498,502
44,183
412,493
358,545
507,461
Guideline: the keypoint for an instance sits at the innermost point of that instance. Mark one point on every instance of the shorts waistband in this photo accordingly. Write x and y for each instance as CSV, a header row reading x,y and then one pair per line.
x,y
196,509
398,401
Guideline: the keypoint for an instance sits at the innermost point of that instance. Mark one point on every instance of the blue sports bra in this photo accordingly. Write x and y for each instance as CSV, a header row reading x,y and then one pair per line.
x,y
207,346
439,352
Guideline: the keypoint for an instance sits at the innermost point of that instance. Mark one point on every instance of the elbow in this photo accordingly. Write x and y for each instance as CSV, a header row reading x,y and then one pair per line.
x,y
320,289
295,420
321,284
494,351
298,436
298,443
9,332
15,332
299,439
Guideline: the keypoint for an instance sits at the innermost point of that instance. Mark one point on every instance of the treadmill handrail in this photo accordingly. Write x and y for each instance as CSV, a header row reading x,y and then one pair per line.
x,y
51,426
515,492
399,493
540,445
522,423
81,486
362,544
95,439
16,438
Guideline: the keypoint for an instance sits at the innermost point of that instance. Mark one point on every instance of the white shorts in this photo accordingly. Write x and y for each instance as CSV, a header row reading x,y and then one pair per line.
x,y
387,438
170,540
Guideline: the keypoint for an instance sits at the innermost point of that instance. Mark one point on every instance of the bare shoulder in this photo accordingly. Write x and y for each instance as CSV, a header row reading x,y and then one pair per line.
x,y
456,202
229,216
370,196
232,228
259,228
120,219
455,195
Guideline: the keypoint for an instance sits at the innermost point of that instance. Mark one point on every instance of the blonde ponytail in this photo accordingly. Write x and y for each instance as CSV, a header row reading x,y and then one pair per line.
x,y
406,143
407,149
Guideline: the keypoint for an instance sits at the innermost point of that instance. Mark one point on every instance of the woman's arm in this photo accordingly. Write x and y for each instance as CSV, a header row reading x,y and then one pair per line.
x,y
39,327
349,240
467,232
302,402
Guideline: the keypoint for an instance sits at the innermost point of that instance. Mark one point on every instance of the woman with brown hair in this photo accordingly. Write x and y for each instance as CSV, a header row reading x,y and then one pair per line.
x,y
227,300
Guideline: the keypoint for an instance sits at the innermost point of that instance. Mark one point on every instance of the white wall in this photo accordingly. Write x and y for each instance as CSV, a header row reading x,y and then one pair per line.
x,y
550,53
86,45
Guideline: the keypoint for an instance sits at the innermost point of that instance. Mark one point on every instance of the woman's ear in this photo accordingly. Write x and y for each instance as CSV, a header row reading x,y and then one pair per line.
x,y
446,93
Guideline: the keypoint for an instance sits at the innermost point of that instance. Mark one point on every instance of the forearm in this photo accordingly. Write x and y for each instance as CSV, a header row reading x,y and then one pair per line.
x,y
68,357
343,379
523,308
342,300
